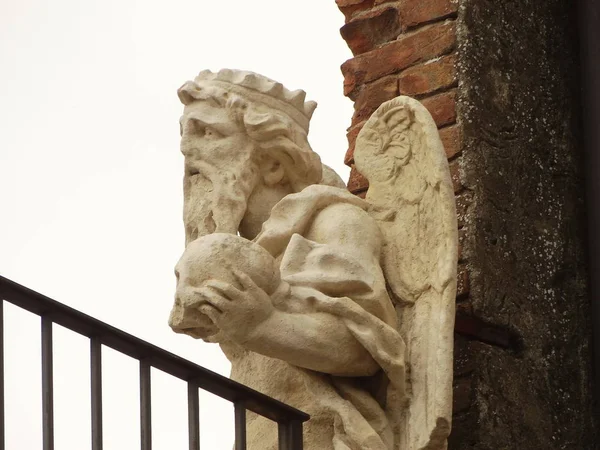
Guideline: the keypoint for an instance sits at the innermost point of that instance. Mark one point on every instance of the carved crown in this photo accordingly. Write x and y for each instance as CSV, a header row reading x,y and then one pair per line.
x,y
257,88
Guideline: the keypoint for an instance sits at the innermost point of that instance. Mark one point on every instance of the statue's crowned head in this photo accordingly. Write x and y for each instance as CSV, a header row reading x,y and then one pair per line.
x,y
274,118
240,129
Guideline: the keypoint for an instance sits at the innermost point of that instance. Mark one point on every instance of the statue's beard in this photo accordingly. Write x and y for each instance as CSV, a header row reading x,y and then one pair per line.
x,y
216,198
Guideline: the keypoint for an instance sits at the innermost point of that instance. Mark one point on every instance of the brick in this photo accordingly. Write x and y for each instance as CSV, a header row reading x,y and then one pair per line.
x,y
421,45
451,139
428,77
352,7
351,136
455,176
361,194
365,33
462,282
442,107
346,3
417,12
356,182
372,96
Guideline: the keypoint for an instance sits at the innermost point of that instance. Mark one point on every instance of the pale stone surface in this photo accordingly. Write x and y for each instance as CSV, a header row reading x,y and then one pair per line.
x,y
410,191
298,301
217,256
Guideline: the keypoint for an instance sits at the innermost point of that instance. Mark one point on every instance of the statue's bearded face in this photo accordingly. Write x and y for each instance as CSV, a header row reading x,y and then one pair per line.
x,y
220,172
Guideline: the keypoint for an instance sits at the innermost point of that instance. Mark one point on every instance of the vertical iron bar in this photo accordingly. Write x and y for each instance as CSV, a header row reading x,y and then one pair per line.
x,y
283,436
240,426
193,417
47,386
96,387
290,435
1,374
296,435
145,406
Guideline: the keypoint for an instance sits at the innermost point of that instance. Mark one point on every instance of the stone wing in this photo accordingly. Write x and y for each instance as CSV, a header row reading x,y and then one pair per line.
x,y
410,194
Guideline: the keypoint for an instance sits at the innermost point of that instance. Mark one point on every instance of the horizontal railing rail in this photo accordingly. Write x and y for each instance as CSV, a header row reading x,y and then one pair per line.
x,y
289,419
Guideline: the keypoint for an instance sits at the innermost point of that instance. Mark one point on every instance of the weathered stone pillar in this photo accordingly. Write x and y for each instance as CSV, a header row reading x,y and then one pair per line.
x,y
501,81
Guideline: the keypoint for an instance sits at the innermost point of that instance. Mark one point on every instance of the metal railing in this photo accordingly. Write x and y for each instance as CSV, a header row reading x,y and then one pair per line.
x,y
289,419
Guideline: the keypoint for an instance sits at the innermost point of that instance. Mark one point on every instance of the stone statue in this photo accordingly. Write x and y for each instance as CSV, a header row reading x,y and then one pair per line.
x,y
338,306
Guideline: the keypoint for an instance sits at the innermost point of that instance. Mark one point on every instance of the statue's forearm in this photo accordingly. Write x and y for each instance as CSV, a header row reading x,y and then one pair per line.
x,y
316,341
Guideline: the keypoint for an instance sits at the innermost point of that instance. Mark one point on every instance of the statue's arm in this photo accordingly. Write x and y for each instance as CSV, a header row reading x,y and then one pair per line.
x,y
309,338
317,341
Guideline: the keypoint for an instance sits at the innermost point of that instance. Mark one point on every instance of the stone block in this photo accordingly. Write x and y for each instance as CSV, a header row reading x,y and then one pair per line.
x,y
462,394
462,235
463,201
464,363
462,282
455,176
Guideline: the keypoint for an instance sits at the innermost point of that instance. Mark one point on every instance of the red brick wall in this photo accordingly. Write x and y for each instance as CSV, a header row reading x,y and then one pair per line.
x,y
401,48
404,48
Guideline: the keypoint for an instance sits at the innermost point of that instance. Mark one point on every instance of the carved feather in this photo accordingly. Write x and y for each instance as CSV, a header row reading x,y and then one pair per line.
x,y
411,196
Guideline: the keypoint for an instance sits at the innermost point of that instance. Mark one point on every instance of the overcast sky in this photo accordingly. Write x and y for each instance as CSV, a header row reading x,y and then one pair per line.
x,y
90,184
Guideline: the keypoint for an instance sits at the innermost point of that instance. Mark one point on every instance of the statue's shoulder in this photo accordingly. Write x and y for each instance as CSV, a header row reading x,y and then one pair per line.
x,y
320,196
340,215
317,210
343,219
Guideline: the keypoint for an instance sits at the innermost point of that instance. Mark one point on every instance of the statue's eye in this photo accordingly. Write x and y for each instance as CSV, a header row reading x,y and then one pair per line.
x,y
197,128
211,133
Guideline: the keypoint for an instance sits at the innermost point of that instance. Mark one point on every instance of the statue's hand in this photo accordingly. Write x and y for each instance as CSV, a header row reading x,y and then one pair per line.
x,y
237,313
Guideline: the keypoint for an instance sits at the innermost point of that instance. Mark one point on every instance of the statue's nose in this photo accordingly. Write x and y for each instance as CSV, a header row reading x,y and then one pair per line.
x,y
190,321
183,317
177,316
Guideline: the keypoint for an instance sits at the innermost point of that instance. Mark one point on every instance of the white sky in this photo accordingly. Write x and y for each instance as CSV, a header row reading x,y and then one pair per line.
x,y
90,184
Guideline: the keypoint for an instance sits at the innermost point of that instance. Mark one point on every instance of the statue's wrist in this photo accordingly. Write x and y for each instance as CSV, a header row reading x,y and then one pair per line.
x,y
281,295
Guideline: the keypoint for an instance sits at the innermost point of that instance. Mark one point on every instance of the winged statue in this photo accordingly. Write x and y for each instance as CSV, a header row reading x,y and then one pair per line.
x,y
339,306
